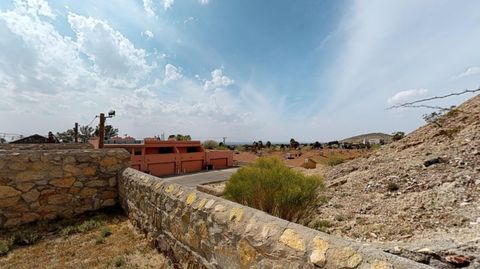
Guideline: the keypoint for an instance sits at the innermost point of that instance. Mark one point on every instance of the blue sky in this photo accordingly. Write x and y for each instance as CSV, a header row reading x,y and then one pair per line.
x,y
244,69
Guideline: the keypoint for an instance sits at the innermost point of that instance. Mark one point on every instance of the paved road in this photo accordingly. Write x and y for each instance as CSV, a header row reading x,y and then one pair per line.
x,y
193,180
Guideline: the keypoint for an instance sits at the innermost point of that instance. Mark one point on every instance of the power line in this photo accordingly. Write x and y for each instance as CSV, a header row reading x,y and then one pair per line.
x,y
96,116
409,104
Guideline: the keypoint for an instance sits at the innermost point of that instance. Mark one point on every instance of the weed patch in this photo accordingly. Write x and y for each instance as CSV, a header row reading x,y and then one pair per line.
x,y
105,232
322,225
5,246
269,185
335,160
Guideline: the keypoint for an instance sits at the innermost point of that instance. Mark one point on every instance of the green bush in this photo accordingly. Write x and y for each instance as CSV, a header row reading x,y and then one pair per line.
x,y
118,261
271,186
89,225
335,160
26,237
5,246
105,231
322,225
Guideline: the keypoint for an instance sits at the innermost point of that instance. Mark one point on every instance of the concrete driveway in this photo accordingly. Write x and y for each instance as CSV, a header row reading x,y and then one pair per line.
x,y
193,180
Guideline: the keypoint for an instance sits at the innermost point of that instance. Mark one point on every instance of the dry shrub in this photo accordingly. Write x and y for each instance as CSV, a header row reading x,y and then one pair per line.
x,y
334,159
269,185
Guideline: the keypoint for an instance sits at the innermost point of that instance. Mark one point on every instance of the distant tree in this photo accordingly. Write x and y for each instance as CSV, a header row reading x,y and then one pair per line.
x,y
109,132
2,140
397,136
67,136
172,137
317,145
294,144
260,144
210,144
180,137
268,144
86,132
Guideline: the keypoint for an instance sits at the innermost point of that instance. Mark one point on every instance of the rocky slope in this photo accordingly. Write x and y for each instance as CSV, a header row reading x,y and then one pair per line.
x,y
422,192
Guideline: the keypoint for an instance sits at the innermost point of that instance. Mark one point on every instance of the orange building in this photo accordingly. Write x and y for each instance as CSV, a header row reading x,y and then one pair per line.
x,y
161,158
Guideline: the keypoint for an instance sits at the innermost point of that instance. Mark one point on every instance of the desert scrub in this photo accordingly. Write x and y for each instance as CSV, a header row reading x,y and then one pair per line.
x,y
105,231
322,225
118,261
26,237
335,160
392,186
6,245
271,186
82,228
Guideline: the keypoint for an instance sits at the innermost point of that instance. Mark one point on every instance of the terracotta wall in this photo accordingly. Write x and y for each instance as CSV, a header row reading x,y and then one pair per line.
x,y
44,184
197,230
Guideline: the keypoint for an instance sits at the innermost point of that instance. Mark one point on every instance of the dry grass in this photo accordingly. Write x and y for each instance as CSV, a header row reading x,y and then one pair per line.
x,y
122,248
320,156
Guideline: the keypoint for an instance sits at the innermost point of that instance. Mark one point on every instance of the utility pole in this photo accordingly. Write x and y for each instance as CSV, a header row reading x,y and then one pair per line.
x,y
101,131
76,132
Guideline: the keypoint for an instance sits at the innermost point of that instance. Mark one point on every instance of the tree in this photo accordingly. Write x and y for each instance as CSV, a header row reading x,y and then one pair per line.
x,y
67,136
210,144
317,145
268,144
109,132
180,137
2,140
260,144
86,132
294,144
397,136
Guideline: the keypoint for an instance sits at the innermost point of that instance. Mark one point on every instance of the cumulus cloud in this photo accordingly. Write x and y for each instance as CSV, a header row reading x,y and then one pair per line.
x,y
112,54
167,4
407,95
148,34
39,59
474,70
34,7
149,7
218,80
172,73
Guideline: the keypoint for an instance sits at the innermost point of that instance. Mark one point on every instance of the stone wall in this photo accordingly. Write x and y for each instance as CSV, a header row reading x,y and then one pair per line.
x,y
197,230
44,184
45,146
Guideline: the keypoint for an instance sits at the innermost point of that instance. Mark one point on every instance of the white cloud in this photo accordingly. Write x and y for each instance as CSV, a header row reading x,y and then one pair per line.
x,y
167,4
148,34
218,80
187,20
172,73
34,7
407,95
149,7
112,54
39,59
474,70
204,2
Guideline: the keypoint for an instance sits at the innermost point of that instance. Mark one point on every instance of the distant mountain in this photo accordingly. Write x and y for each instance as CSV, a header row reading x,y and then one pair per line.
x,y
360,138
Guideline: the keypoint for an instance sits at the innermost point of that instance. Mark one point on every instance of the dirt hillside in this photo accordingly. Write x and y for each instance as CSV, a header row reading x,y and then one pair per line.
x,y
423,190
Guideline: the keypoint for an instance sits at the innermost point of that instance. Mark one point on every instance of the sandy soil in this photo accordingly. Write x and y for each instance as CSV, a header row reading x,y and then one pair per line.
x,y
320,156
124,248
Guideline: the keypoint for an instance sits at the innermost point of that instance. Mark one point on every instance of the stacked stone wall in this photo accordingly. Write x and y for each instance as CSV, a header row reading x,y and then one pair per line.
x,y
45,184
197,230
45,146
